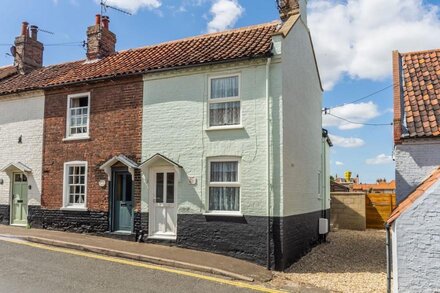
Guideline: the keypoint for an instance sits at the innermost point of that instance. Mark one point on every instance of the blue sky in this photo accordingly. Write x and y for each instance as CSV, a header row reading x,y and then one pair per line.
x,y
353,40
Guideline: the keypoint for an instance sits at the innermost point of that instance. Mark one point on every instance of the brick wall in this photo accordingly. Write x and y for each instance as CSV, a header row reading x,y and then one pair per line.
x,y
115,128
348,210
414,162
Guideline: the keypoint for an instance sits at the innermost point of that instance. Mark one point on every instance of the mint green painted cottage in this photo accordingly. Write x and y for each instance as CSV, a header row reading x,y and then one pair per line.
x,y
232,143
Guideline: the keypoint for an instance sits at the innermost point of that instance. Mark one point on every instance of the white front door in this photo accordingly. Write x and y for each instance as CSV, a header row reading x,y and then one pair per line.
x,y
163,203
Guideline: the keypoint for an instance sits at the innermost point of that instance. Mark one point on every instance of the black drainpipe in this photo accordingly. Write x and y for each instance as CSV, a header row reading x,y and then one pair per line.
x,y
389,258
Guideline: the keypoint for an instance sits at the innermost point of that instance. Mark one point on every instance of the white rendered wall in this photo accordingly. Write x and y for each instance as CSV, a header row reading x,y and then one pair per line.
x,y
302,127
22,115
175,125
418,244
414,162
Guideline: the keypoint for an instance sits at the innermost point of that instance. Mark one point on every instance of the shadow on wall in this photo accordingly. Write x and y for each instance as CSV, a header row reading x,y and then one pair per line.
x,y
231,134
413,164
189,193
348,211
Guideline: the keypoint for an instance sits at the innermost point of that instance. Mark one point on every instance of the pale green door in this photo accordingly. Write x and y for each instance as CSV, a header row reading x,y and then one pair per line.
x,y
19,199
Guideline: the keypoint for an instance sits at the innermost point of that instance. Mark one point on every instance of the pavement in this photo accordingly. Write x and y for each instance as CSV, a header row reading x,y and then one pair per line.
x,y
167,255
31,268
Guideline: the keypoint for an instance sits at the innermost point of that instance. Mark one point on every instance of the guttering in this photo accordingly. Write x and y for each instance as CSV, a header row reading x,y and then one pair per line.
x,y
389,257
269,187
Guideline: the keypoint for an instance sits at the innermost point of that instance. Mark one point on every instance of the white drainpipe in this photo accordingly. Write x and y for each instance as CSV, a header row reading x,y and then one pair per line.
x,y
269,187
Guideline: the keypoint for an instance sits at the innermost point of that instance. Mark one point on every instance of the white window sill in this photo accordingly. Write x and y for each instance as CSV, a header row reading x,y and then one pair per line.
x,y
163,237
73,208
236,127
72,138
223,214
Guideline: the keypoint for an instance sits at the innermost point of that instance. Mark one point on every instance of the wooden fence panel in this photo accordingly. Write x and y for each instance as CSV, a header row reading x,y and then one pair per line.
x,y
378,208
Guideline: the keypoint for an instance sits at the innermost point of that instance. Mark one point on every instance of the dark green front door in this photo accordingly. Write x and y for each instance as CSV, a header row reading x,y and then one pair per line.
x,y
122,201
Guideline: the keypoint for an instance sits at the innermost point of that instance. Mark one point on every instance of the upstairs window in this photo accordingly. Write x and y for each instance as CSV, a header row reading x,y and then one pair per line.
x,y
224,185
224,101
78,113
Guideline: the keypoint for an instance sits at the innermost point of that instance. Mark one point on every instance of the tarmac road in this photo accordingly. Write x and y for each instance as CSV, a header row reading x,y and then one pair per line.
x,y
27,269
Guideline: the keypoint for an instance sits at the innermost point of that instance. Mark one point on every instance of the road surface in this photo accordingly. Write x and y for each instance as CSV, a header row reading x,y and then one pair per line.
x,y
29,269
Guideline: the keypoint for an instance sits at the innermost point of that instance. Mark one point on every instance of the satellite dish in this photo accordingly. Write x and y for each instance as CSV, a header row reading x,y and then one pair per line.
x,y
13,51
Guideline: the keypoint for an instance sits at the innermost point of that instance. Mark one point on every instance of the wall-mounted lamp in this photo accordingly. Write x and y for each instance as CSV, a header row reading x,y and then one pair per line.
x,y
29,187
1,181
20,139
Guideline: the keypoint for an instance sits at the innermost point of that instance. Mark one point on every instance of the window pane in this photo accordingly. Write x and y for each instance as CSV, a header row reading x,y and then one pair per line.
x,y
224,172
170,187
224,87
17,178
224,198
78,115
118,187
76,184
128,188
159,187
224,114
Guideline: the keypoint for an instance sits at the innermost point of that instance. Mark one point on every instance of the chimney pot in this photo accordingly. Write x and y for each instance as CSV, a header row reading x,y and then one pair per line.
x,y
28,50
100,40
98,19
24,28
105,21
34,32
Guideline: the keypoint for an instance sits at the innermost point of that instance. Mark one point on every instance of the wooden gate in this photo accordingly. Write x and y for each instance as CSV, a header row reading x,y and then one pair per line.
x,y
378,208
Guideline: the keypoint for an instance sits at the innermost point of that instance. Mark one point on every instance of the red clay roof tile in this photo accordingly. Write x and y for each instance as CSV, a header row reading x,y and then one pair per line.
x,y
244,43
421,90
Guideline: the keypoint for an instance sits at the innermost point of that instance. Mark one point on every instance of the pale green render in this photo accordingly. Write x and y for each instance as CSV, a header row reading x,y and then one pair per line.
x,y
175,113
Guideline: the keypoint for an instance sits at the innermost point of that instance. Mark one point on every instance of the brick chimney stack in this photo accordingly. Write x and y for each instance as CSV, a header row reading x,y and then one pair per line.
x,y
101,41
288,8
28,52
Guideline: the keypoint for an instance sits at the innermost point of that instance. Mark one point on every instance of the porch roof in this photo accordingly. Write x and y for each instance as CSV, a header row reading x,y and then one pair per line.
x,y
16,166
154,158
107,166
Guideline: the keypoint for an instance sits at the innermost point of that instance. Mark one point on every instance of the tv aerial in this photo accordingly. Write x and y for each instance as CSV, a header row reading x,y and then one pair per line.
x,y
105,7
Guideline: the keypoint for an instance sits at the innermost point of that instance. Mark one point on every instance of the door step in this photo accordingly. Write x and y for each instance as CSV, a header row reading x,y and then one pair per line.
x,y
127,236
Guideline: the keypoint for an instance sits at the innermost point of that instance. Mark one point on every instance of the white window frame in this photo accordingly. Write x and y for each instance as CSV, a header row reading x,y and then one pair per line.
x,y
223,184
66,204
70,136
224,100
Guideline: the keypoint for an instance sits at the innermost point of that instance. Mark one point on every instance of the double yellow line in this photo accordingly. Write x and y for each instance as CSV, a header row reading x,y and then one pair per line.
x,y
146,266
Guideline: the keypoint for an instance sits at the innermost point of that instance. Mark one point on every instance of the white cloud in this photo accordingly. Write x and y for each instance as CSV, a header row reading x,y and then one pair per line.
x,y
346,142
225,15
356,37
359,113
379,160
338,163
134,5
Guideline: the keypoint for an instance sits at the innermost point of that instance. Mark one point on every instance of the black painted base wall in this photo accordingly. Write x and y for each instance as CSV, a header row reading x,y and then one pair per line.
x,y
242,237
71,221
298,235
4,214
246,237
